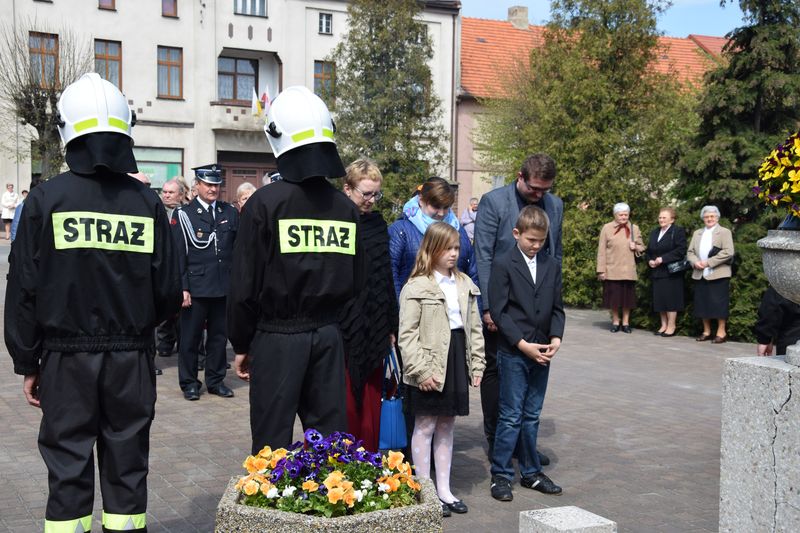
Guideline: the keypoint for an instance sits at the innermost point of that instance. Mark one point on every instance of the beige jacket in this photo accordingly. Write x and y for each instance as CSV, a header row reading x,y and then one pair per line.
x,y
721,238
615,259
424,334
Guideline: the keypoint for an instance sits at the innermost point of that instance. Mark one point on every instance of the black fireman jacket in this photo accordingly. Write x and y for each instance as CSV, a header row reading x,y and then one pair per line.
x,y
92,269
296,262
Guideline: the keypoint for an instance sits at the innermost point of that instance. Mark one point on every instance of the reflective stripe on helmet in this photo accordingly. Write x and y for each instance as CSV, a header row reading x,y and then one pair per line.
x,y
119,124
85,124
327,133
124,522
302,136
78,525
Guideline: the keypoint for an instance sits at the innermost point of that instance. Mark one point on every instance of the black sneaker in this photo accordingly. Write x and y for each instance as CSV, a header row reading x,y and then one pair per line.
x,y
501,489
542,483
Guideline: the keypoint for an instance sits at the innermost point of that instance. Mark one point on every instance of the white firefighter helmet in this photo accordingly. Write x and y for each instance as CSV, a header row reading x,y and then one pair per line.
x,y
297,118
91,105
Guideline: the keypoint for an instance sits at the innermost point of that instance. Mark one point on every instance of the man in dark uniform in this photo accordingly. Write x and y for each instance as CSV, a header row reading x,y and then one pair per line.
x,y
93,271
296,263
205,230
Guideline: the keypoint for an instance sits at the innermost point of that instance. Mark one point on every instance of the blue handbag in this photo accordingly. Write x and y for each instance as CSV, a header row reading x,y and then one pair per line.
x,y
392,434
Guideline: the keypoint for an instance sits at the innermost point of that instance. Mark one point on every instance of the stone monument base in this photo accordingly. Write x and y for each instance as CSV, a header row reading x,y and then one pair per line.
x,y
760,451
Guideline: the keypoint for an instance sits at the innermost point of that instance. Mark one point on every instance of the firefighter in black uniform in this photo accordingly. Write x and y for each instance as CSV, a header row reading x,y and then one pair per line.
x,y
296,264
205,230
93,271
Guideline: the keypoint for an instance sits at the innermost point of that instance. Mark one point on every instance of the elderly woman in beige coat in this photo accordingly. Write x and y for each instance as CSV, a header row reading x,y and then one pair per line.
x,y
619,244
711,254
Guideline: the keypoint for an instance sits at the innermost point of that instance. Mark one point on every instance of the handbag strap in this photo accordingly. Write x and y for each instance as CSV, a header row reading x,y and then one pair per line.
x,y
392,367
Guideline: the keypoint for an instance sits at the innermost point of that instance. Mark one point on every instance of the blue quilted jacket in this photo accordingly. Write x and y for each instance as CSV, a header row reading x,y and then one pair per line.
x,y
404,241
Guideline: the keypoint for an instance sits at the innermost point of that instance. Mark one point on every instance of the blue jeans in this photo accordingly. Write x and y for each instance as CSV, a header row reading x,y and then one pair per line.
x,y
523,383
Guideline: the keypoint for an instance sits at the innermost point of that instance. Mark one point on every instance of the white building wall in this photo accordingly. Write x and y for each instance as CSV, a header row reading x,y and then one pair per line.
x,y
286,43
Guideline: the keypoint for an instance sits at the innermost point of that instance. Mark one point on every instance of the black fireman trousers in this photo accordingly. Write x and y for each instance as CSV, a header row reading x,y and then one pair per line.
x,y
296,374
102,398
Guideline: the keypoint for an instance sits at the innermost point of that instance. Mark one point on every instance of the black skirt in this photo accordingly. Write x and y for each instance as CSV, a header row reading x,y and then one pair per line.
x,y
619,293
454,398
668,294
712,298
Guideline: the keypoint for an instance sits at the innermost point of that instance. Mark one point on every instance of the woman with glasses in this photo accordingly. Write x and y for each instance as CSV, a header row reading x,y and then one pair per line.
x,y
369,323
432,204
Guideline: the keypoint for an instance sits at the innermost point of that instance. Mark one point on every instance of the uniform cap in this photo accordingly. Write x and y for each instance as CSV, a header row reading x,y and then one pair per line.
x,y
211,174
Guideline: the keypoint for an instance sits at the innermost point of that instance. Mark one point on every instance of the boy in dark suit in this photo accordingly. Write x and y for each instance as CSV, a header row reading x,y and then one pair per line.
x,y
525,303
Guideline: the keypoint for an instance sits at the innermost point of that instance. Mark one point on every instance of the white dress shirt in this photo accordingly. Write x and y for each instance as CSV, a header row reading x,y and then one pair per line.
x,y
448,286
663,232
213,206
531,262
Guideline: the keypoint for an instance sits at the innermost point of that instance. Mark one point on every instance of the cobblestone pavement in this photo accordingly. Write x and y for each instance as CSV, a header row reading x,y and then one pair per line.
x,y
631,422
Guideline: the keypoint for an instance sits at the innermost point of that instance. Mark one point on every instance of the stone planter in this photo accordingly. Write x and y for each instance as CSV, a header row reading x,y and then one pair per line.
x,y
235,517
781,260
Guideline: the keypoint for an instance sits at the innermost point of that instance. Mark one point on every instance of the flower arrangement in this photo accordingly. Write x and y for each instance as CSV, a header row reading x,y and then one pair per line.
x,y
779,176
327,476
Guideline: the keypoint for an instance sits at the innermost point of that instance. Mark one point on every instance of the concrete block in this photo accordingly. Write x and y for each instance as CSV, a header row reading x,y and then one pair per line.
x,y
564,519
760,450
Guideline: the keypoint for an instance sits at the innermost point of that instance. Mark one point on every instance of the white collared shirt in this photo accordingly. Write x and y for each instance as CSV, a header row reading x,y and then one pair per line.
x,y
450,290
206,206
531,262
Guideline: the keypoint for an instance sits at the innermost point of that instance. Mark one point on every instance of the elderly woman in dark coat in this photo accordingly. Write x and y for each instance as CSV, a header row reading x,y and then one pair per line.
x,y
369,323
667,244
711,254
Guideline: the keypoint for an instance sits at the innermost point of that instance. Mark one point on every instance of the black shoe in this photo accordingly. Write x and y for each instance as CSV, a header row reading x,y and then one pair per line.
x,y
665,334
228,366
542,483
658,333
501,489
626,329
164,354
614,328
191,393
200,368
543,459
222,390
457,506
158,372
445,511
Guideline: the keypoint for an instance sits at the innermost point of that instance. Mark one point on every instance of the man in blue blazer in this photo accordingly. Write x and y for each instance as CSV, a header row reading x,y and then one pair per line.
x,y
498,213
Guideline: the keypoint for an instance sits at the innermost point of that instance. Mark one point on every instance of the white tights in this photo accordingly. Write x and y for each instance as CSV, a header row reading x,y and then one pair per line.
x,y
438,429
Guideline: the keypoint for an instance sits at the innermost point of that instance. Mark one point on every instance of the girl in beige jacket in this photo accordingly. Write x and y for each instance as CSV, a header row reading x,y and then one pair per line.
x,y
441,344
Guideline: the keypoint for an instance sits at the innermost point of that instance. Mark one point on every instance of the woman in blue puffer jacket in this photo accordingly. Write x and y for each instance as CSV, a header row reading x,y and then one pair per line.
x,y
431,205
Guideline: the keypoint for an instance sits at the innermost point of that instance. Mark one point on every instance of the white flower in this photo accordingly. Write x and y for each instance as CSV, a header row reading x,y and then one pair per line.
x,y
387,472
385,496
383,487
372,504
272,493
288,491
359,495
366,484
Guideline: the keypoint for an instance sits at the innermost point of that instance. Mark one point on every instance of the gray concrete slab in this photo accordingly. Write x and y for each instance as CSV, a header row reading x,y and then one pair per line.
x,y
631,422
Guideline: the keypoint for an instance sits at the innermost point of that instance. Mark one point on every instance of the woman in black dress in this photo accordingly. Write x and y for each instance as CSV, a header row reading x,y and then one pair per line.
x,y
667,244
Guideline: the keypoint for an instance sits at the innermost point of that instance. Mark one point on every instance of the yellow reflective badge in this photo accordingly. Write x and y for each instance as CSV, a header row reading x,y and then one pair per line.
x,y
317,236
104,231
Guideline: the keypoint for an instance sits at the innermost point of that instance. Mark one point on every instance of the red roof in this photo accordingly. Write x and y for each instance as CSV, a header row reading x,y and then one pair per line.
x,y
491,48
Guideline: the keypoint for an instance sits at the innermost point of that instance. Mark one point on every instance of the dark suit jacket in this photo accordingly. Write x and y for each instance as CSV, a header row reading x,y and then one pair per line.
x,y
671,248
497,216
521,308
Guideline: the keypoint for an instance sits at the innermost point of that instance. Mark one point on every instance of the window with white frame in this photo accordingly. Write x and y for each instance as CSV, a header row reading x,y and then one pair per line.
x,y
326,23
256,8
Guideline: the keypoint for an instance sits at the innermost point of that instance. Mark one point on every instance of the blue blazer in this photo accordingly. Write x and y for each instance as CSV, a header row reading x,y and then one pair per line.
x,y
521,308
497,214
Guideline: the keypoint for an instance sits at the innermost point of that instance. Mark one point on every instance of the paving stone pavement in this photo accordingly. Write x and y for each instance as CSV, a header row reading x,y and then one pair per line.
x,y
631,422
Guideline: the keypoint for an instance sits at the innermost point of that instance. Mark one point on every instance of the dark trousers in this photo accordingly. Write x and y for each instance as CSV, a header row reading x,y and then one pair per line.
x,y
104,398
209,312
296,373
490,391
167,335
